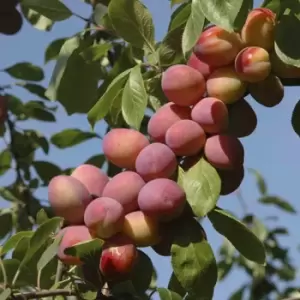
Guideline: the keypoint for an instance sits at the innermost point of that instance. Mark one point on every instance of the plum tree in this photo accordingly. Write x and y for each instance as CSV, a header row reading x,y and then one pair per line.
x,y
211,114
164,118
253,64
68,198
218,47
3,108
156,161
70,236
162,198
224,151
142,229
225,84
185,138
118,258
121,146
104,217
125,187
231,179
197,64
242,119
183,85
259,28
93,178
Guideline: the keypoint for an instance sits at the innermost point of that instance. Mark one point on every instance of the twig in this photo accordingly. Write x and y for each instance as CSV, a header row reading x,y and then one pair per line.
x,y
42,294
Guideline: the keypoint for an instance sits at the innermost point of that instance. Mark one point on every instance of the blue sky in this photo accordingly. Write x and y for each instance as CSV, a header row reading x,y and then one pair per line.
x,y
273,148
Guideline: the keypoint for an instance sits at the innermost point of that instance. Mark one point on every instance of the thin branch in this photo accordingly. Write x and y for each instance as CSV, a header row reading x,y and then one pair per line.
x,y
42,294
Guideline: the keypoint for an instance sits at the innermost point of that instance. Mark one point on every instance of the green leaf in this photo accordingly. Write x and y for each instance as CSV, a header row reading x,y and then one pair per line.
x,y
262,186
49,254
14,240
202,186
52,9
243,239
166,294
103,105
239,294
221,12
25,71
96,160
46,170
5,294
193,28
36,111
6,221
53,49
36,20
175,2
34,89
133,22
134,99
99,12
280,203
274,5
21,248
5,161
85,249
175,286
180,16
41,217
193,260
296,118
41,236
288,50
11,267
95,52
71,137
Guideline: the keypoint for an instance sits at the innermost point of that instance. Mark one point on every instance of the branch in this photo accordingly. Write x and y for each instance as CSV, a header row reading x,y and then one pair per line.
x,y
42,294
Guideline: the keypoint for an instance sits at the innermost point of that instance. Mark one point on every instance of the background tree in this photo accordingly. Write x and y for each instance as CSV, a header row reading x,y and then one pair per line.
x,y
111,71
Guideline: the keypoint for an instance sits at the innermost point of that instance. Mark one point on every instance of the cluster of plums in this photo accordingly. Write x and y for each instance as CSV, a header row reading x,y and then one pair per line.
x,y
11,20
205,116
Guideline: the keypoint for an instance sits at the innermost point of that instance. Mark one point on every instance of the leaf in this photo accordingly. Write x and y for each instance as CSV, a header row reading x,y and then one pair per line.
x,y
25,71
41,236
274,5
280,203
99,12
193,260
221,12
96,160
85,249
5,161
174,2
202,186
49,254
103,105
34,89
11,267
6,221
262,186
180,16
239,235
46,170
5,294
296,118
36,111
134,99
53,49
95,52
238,295
133,22
41,217
193,28
166,294
52,9
175,286
71,137
14,240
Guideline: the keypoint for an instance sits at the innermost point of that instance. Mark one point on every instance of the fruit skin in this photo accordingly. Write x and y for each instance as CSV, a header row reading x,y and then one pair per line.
x,y
156,161
211,114
125,187
3,108
224,151
226,85
121,146
104,217
185,138
269,92
242,119
202,67
72,235
231,179
164,118
217,47
259,29
93,178
142,229
68,198
183,85
162,198
118,258
253,64
281,69
11,22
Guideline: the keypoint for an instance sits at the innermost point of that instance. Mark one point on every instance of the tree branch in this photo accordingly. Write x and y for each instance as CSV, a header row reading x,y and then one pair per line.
x,y
42,294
